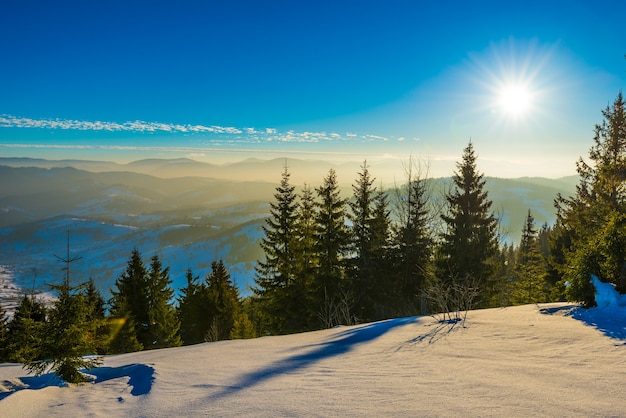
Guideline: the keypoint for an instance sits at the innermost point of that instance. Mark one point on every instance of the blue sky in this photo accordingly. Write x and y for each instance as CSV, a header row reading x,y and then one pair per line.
x,y
220,80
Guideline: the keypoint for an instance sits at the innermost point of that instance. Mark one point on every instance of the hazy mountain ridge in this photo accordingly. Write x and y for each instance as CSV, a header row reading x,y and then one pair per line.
x,y
388,172
303,171
189,221
32,194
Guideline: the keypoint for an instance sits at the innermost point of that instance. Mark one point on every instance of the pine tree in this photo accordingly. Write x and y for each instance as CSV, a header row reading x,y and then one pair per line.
x,y
303,310
122,331
68,334
223,299
469,241
361,237
163,325
332,240
66,339
531,285
25,331
243,328
381,265
190,310
276,279
98,331
507,260
413,245
129,307
590,238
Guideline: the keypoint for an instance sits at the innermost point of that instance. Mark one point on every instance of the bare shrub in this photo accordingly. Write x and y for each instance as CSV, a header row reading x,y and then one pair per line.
x,y
338,310
452,300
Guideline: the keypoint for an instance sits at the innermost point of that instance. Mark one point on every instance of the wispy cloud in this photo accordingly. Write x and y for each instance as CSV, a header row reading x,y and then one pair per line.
x,y
226,134
8,121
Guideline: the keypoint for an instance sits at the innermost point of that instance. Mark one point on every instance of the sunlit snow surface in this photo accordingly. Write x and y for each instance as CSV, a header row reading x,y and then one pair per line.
x,y
531,360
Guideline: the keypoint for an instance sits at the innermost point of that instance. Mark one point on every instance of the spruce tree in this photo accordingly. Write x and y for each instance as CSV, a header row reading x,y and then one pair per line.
x,y
413,245
223,300
361,238
129,307
530,285
163,325
332,240
25,332
304,311
275,275
192,330
66,341
122,331
69,333
98,331
243,328
589,237
468,244
381,247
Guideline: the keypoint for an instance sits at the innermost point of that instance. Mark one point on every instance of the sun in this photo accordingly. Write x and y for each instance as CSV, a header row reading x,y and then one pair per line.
x,y
515,100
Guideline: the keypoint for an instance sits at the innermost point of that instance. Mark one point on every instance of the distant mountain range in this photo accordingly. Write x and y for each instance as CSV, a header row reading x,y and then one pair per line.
x,y
190,213
252,169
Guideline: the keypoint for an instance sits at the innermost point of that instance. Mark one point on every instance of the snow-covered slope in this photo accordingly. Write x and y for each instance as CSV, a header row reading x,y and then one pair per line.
x,y
519,361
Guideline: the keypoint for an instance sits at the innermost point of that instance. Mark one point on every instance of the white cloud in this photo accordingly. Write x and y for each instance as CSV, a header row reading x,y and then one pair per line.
x,y
213,133
376,137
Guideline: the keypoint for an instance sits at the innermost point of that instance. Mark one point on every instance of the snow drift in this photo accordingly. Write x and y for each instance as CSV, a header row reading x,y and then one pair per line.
x,y
518,361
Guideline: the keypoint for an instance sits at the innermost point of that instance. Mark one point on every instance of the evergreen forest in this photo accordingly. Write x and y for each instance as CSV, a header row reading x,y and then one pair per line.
x,y
331,259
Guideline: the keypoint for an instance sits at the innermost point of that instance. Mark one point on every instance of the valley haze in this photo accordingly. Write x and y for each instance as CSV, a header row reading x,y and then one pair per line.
x,y
188,212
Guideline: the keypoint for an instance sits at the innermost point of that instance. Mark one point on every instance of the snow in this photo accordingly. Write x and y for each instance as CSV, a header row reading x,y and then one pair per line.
x,y
532,360
609,316
11,293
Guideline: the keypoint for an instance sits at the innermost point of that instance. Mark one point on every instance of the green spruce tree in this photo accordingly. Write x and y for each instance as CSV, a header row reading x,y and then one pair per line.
x,y
381,263
65,341
277,284
163,325
413,245
361,270
531,284
67,334
304,311
98,331
190,311
589,235
129,308
243,328
223,300
331,247
468,245
25,332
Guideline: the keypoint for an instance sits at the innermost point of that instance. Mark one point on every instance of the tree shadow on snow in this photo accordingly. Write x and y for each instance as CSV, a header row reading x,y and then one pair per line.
x,y
440,329
611,322
608,317
140,376
30,382
342,343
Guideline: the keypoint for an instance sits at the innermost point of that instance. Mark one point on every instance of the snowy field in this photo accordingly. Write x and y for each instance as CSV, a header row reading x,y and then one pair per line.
x,y
533,360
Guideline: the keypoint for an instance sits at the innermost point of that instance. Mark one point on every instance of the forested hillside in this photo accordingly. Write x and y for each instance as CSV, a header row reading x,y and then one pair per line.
x,y
190,221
